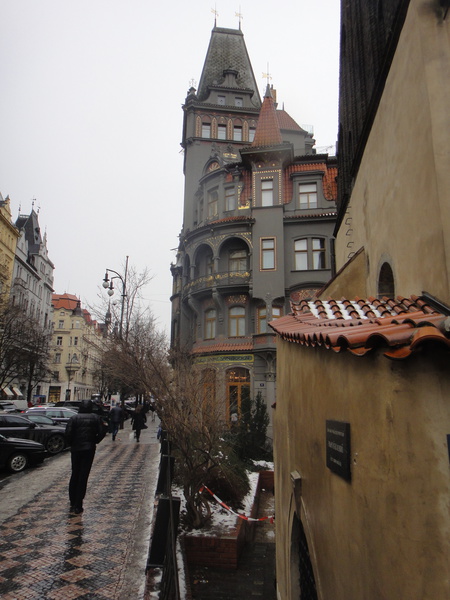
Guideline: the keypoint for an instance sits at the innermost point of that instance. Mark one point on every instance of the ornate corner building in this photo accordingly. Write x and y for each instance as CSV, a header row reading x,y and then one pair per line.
x,y
259,214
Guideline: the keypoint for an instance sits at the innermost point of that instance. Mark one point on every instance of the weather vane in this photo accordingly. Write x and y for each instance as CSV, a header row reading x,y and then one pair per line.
x,y
240,16
267,75
216,14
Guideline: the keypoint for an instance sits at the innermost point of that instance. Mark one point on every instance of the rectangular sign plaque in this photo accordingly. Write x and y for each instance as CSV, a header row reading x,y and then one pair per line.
x,y
338,448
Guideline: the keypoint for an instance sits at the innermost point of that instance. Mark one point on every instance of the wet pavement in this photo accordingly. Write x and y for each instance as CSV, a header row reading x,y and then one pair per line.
x,y
48,553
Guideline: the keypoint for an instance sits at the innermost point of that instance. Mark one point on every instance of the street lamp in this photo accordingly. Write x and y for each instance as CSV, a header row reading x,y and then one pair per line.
x,y
108,285
71,369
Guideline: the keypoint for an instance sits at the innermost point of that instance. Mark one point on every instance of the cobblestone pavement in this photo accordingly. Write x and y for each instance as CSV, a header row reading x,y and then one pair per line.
x,y
48,553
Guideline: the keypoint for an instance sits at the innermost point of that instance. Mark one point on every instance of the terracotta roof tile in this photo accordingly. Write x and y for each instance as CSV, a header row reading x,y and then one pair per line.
x,y
285,121
267,130
401,325
244,346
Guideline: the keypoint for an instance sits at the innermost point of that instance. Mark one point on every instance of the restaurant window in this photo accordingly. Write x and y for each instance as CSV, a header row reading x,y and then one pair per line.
x,y
238,390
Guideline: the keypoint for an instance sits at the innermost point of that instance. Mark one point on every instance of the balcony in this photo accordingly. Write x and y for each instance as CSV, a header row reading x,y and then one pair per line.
x,y
217,280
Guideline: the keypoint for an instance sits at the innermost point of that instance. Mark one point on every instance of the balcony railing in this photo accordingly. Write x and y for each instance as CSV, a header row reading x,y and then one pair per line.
x,y
227,278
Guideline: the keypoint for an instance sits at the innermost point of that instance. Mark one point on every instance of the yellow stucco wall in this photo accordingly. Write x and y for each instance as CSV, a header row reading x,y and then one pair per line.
x,y
400,205
385,535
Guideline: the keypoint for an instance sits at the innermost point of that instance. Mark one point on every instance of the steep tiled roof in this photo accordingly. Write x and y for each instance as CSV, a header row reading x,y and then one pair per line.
x,y
285,121
227,50
400,326
267,130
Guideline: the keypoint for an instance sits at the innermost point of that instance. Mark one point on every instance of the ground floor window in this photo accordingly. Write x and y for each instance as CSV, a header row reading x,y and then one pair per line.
x,y
238,389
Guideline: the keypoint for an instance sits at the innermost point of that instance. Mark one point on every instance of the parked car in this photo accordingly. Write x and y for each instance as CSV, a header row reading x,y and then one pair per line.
x,y
60,415
39,418
16,454
98,408
52,437
7,406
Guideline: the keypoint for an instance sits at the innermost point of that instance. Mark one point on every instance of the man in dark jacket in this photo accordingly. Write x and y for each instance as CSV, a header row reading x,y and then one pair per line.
x,y
116,418
83,432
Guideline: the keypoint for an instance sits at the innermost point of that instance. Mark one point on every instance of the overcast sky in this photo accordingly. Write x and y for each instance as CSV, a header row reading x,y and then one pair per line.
x,y
91,120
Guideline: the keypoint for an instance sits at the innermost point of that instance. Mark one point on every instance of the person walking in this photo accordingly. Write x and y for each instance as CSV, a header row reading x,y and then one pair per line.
x,y
83,432
115,418
138,421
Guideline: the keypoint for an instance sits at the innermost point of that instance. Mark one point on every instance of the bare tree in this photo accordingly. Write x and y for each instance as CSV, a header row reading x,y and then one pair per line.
x,y
24,348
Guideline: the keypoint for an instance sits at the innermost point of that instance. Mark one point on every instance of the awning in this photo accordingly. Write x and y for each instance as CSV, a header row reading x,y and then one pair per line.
x,y
16,391
7,392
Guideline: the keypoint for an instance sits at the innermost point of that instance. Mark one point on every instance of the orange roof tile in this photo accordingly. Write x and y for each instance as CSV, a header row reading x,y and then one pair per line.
x,y
285,121
66,301
267,130
244,346
400,326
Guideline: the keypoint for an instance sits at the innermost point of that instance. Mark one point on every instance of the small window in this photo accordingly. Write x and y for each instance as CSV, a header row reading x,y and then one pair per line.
x,y
236,321
59,341
239,101
318,253
222,132
75,341
206,130
61,324
237,133
230,199
57,358
221,100
251,134
268,253
307,195
213,198
267,192
386,286
210,324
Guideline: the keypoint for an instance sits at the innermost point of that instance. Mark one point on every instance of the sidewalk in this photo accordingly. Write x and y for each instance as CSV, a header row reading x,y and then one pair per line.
x,y
48,553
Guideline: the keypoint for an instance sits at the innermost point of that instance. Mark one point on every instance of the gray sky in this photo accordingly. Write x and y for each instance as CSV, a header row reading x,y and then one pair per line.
x,y
91,119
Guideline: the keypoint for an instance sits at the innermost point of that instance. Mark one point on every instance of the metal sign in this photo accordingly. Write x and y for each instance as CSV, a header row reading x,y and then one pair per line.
x,y
338,448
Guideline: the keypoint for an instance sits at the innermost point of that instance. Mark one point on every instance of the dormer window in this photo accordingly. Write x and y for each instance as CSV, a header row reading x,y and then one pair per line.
x,y
221,100
239,101
307,195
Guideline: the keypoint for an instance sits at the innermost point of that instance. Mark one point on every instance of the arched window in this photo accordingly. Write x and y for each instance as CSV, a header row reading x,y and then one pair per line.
x,y
386,286
238,389
236,321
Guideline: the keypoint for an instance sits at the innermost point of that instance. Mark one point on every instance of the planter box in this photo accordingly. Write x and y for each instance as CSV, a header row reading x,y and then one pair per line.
x,y
223,552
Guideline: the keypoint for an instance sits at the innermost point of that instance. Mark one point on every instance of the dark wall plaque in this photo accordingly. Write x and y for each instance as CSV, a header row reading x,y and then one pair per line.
x,y
338,448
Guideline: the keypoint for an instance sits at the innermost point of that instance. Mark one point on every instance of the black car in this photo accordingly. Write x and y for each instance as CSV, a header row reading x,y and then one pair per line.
x,y
98,408
59,414
16,454
52,437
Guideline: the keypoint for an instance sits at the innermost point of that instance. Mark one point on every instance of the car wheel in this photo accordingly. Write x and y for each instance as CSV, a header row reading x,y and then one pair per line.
x,y
17,462
55,444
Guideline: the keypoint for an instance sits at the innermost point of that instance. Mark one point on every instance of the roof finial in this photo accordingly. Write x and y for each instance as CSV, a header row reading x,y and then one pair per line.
x,y
216,14
240,16
267,75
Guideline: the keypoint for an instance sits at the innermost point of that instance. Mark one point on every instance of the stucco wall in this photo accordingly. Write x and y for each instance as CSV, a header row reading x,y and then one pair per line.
x,y
386,534
400,205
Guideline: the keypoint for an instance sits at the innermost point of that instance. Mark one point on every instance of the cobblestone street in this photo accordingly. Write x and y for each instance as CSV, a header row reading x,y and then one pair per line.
x,y
48,553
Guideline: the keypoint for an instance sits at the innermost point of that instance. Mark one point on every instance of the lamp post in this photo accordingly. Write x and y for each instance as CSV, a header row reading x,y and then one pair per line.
x,y
71,369
108,285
